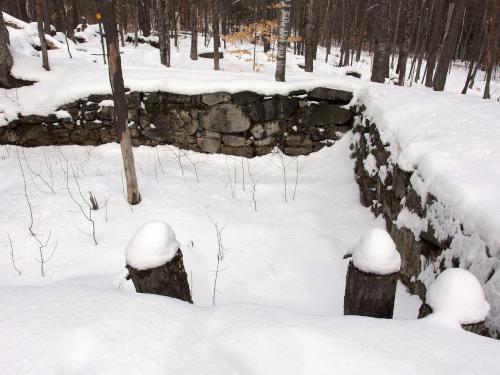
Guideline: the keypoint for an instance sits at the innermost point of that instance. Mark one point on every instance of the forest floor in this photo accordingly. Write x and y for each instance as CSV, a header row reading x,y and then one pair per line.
x,y
285,225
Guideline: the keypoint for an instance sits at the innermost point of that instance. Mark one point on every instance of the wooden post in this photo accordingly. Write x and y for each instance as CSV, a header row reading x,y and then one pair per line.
x,y
120,102
368,294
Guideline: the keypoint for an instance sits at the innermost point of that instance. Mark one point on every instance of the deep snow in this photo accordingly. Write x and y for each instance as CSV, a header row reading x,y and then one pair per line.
x,y
280,289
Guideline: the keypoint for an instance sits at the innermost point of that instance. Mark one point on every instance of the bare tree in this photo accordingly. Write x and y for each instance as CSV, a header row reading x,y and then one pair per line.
x,y
40,4
284,34
380,70
163,30
6,60
194,29
216,33
120,102
449,45
309,36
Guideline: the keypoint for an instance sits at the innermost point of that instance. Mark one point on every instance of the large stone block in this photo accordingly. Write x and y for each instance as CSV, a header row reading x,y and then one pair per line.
x,y
216,98
225,118
323,93
273,109
210,145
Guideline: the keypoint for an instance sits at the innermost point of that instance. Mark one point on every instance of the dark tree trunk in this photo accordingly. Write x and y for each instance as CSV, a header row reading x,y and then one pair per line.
x,y
309,36
405,45
120,102
41,34
284,34
144,18
449,46
380,70
6,60
215,25
168,280
434,41
194,29
492,32
163,30
368,294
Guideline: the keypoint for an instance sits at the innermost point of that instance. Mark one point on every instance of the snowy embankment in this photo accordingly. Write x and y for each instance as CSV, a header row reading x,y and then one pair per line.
x,y
63,330
452,142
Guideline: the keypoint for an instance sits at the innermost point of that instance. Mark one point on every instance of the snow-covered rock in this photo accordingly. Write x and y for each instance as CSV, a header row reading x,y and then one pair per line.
x,y
152,246
375,252
457,296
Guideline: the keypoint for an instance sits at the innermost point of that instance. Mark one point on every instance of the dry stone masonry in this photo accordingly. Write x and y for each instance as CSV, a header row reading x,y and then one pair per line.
x,y
243,124
426,234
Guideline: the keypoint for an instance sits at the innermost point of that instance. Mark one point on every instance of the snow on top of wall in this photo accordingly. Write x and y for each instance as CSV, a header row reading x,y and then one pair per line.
x,y
452,142
375,252
153,245
457,296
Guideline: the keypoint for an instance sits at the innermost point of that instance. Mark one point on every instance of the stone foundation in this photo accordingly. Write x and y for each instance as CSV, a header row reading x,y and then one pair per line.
x,y
243,124
426,234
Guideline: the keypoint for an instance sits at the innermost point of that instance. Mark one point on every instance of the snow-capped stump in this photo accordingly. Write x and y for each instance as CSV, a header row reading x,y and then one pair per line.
x,y
154,262
456,297
372,276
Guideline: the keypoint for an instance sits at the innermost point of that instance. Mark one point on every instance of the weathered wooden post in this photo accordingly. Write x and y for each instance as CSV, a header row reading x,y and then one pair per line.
x,y
155,264
456,297
372,276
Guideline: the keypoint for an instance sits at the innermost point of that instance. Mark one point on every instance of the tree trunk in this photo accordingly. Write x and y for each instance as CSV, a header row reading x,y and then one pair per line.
x,y
309,36
168,280
368,294
491,43
120,102
41,34
284,33
434,42
449,46
380,70
145,19
6,60
215,25
164,37
194,30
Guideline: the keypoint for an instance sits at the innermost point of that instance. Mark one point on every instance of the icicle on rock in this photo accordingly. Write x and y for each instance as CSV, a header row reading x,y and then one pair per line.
x,y
154,262
372,276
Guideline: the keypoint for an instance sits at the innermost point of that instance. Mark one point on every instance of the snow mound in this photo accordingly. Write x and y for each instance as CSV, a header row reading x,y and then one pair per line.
x,y
375,252
457,295
152,246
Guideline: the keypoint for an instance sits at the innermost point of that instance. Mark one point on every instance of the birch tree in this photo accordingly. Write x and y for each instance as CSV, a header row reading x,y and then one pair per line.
x,y
284,34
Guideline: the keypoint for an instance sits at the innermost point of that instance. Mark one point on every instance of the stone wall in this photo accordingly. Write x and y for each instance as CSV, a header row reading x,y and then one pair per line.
x,y
426,234
243,124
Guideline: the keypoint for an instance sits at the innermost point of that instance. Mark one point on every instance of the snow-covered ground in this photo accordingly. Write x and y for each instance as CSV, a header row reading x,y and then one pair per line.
x,y
279,295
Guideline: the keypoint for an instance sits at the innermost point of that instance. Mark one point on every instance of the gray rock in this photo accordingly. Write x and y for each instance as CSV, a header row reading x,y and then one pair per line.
x,y
323,93
246,97
106,113
225,118
273,109
270,141
328,114
235,140
210,145
216,98
257,131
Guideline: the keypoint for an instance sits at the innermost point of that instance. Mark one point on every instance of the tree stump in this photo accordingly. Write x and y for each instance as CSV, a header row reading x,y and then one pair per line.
x,y
477,328
168,280
368,294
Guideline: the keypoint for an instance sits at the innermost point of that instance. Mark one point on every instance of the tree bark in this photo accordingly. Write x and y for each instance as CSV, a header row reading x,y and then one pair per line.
x,y
215,26
449,46
368,294
168,280
284,33
434,42
120,102
380,70
164,37
309,36
194,30
41,34
6,60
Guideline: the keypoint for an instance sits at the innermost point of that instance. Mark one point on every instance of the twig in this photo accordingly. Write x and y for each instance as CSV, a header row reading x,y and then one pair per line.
x,y
12,255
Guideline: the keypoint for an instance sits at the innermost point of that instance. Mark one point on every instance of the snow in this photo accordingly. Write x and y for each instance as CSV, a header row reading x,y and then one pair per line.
x,y
153,245
457,296
279,295
61,329
375,252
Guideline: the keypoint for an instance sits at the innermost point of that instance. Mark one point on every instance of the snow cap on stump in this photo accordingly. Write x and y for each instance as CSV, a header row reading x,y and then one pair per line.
x,y
458,296
153,245
375,252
